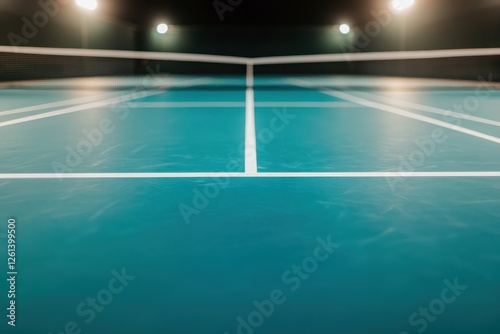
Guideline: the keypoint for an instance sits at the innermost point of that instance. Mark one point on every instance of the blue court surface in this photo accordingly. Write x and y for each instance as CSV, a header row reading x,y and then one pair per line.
x,y
357,206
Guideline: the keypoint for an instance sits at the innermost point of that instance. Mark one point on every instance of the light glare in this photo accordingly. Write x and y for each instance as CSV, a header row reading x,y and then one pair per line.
x,y
162,28
344,29
401,5
87,4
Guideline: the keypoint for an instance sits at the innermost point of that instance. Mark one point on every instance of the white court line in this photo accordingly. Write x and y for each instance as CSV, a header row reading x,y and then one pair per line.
x,y
343,104
210,104
250,134
55,104
69,110
430,109
97,104
250,76
27,176
397,111
224,104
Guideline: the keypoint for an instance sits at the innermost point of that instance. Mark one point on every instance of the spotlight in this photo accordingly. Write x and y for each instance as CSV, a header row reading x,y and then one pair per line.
x,y
400,5
344,29
87,4
162,28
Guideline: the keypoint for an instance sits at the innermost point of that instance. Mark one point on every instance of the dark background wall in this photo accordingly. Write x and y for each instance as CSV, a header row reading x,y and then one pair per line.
x,y
431,25
66,28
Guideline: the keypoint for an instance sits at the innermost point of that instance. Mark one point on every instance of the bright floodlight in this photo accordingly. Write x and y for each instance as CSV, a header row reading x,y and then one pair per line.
x,y
344,29
401,5
162,28
87,4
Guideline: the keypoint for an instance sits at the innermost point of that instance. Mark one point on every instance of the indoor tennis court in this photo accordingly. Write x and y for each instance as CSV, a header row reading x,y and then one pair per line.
x,y
146,191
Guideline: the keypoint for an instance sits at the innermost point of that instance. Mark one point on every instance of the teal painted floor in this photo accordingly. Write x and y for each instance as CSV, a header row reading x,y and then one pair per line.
x,y
205,255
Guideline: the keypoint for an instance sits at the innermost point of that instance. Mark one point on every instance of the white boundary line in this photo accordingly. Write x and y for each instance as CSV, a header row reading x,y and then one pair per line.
x,y
98,104
250,134
27,176
223,104
55,104
69,110
210,104
250,76
397,111
278,104
431,109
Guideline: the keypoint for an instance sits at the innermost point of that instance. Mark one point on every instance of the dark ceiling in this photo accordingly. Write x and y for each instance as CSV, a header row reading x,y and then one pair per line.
x,y
271,12
282,12
247,12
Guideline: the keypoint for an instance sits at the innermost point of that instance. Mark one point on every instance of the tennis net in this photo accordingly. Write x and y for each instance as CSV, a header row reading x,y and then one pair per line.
x,y
80,68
